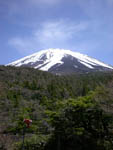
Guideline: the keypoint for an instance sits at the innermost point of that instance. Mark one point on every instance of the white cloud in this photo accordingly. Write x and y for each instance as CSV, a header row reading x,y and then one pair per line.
x,y
53,33
23,45
50,34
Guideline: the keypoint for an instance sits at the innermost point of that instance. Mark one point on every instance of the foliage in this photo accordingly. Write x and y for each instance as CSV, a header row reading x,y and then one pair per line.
x,y
82,124
68,112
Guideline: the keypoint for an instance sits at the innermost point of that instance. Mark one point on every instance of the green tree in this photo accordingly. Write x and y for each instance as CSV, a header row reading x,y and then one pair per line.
x,y
81,124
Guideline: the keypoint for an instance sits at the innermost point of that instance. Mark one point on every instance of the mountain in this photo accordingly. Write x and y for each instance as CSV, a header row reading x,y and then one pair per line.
x,y
62,61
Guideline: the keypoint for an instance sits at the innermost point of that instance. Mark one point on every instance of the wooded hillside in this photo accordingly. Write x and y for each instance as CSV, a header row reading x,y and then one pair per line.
x,y
68,112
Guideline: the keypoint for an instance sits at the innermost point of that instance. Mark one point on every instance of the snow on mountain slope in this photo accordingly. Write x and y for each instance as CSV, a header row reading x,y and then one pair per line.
x,y
55,58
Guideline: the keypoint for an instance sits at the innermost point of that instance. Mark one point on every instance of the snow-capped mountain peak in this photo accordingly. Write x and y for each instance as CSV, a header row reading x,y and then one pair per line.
x,y
58,60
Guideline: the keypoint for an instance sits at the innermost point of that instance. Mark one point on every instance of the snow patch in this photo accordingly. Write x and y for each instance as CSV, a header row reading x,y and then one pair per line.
x,y
87,65
75,66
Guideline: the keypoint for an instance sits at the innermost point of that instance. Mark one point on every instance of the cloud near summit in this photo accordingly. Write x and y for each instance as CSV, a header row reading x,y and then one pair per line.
x,y
50,34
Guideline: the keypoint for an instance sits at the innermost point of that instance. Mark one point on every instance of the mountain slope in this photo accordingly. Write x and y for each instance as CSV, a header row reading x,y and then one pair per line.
x,y
61,61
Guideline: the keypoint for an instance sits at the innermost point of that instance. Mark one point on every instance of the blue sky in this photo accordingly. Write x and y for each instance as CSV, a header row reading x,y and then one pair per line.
x,y
27,26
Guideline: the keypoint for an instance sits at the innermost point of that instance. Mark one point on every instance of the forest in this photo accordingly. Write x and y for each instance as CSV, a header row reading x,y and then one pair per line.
x,y
68,112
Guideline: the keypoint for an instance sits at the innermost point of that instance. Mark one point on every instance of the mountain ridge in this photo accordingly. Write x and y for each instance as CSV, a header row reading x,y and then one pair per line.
x,y
61,61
